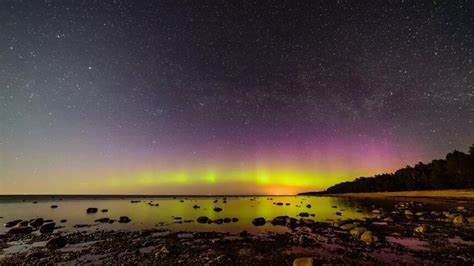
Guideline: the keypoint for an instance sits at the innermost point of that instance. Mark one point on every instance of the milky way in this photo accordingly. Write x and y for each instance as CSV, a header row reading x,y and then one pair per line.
x,y
201,97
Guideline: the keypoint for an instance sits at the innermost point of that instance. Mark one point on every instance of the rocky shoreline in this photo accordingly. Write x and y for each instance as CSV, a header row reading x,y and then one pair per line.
x,y
406,232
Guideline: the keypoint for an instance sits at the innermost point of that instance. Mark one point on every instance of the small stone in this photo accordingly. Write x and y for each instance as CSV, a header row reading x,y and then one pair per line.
x,y
104,210
308,206
348,226
356,232
217,209
304,214
244,233
196,207
368,237
459,219
234,220
304,240
408,213
102,220
421,229
303,262
54,206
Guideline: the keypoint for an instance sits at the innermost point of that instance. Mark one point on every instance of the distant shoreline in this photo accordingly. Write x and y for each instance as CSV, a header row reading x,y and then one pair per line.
x,y
451,193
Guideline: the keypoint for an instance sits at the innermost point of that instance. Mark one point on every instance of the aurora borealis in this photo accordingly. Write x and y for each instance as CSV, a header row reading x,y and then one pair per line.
x,y
182,97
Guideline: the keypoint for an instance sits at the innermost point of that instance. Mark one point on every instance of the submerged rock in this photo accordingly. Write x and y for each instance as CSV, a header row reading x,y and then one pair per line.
x,y
217,209
308,206
56,242
259,221
54,206
304,214
104,210
196,207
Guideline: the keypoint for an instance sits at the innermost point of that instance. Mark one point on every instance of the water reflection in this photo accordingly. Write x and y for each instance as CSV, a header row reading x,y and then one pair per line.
x,y
146,215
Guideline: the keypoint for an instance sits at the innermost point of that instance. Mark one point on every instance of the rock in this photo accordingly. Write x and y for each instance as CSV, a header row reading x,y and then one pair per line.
x,y
304,240
202,219
259,221
356,232
304,214
244,233
92,210
54,206
219,221
419,214
368,237
448,215
459,219
408,213
279,220
234,220
307,222
124,220
227,220
56,242
47,228
217,209
308,206
63,221
135,201
421,229
279,203
338,213
196,207
20,230
291,222
37,222
287,204
12,223
376,211
102,220
435,213
104,210
460,208
348,226
303,262
23,223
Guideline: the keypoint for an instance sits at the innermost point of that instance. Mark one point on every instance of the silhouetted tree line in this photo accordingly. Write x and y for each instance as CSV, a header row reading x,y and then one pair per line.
x,y
455,172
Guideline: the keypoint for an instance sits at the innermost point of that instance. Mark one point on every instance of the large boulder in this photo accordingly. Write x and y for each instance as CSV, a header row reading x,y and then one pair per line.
x,y
56,242
259,221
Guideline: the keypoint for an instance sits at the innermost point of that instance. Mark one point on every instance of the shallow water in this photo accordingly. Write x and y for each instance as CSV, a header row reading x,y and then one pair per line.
x,y
144,216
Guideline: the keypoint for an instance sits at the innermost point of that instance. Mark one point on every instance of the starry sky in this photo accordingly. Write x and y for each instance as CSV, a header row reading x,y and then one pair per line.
x,y
228,97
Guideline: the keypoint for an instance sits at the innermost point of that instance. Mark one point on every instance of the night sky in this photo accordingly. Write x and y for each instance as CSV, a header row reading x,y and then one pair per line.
x,y
228,97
